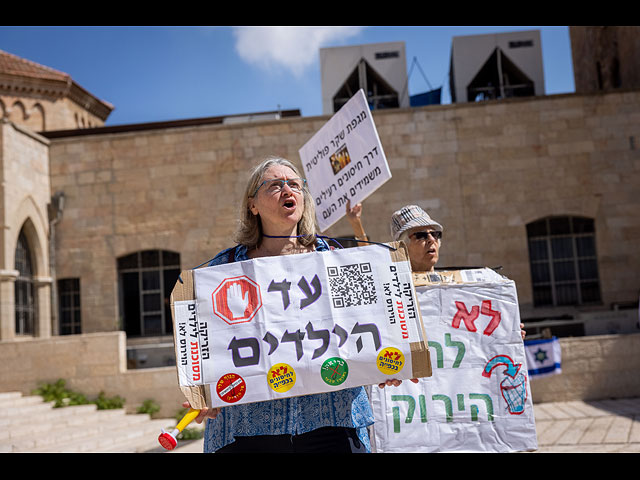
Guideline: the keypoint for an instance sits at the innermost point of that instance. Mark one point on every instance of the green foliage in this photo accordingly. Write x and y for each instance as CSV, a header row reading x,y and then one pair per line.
x,y
112,403
63,397
148,406
57,393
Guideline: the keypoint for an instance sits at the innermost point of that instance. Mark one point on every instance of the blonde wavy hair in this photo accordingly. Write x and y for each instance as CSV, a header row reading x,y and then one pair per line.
x,y
249,231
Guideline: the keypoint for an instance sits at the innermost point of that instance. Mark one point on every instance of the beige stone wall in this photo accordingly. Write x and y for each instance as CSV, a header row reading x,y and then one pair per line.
x,y
89,364
593,368
483,170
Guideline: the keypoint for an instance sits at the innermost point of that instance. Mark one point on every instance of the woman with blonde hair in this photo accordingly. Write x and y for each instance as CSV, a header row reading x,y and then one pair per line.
x,y
278,218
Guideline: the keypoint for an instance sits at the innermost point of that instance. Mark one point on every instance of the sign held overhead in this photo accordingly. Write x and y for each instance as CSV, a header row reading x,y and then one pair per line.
x,y
344,161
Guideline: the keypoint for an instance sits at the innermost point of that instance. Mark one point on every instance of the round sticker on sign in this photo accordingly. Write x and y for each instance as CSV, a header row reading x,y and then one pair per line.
x,y
390,360
281,377
231,388
334,371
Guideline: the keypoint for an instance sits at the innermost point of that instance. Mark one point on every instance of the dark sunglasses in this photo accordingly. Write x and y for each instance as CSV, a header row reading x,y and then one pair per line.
x,y
437,235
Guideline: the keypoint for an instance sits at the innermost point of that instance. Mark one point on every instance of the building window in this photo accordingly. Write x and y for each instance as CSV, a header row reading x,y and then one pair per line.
x,y
146,279
25,301
69,306
564,267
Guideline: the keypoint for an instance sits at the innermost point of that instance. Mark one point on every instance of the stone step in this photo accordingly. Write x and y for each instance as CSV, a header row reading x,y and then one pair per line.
x,y
74,413
54,421
85,433
118,438
10,398
30,425
15,410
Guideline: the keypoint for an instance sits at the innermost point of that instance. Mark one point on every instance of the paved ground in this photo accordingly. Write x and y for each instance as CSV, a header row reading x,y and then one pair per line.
x,y
603,426
589,427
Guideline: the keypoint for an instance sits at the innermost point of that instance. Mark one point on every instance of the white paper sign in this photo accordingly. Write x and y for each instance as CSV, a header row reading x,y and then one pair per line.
x,y
478,398
344,161
291,325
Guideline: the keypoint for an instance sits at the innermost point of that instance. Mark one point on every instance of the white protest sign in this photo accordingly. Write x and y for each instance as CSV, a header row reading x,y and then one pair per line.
x,y
343,161
478,398
291,325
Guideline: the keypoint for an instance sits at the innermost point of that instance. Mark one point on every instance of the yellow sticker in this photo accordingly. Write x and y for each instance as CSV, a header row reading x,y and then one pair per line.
x,y
390,360
281,377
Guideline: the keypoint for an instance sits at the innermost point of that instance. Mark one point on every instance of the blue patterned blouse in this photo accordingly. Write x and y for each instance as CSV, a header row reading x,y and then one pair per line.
x,y
343,408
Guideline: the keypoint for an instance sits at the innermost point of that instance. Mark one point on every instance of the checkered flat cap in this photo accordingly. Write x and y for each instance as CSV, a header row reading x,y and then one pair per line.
x,y
409,217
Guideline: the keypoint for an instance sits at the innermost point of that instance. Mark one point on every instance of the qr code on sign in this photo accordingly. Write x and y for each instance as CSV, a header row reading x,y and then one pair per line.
x,y
352,285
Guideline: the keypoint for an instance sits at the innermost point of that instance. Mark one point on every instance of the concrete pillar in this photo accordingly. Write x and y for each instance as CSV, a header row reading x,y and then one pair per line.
x,y
7,304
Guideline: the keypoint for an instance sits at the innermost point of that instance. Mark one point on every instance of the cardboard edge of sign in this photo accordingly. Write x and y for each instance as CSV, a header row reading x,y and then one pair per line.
x,y
184,290
198,396
420,358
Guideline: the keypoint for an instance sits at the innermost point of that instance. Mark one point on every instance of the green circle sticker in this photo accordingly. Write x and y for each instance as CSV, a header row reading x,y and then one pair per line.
x,y
334,371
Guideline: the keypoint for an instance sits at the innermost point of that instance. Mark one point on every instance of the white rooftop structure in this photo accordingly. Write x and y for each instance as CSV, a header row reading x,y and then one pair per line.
x,y
380,69
497,65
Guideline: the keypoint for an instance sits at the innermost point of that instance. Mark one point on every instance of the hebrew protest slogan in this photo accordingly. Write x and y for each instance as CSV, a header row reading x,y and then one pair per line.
x,y
291,325
344,160
478,398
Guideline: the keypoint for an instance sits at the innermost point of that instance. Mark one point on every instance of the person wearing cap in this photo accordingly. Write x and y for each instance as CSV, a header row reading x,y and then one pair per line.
x,y
422,235
412,225
417,229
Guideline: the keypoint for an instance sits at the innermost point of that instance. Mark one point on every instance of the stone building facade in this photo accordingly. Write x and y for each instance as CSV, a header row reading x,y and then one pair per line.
x,y
544,187
486,171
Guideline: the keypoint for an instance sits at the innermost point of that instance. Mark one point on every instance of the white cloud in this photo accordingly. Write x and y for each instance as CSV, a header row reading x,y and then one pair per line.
x,y
290,48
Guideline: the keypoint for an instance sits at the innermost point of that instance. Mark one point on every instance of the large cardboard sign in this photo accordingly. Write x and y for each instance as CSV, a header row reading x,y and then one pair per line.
x,y
344,161
478,398
276,327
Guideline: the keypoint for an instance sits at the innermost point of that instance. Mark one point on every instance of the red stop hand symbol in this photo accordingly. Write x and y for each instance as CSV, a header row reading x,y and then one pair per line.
x,y
237,300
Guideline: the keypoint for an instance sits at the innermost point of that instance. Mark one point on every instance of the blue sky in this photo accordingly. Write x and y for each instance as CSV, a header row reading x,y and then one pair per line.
x,y
169,73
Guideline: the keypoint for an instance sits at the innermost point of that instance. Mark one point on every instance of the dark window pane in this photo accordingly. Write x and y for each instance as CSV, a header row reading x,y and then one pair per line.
x,y
566,294
24,297
65,300
563,271
538,249
151,302
170,259
537,229
559,226
131,303
146,286
150,258
153,325
540,273
170,277
130,261
586,246
23,257
151,280
582,225
588,269
562,247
